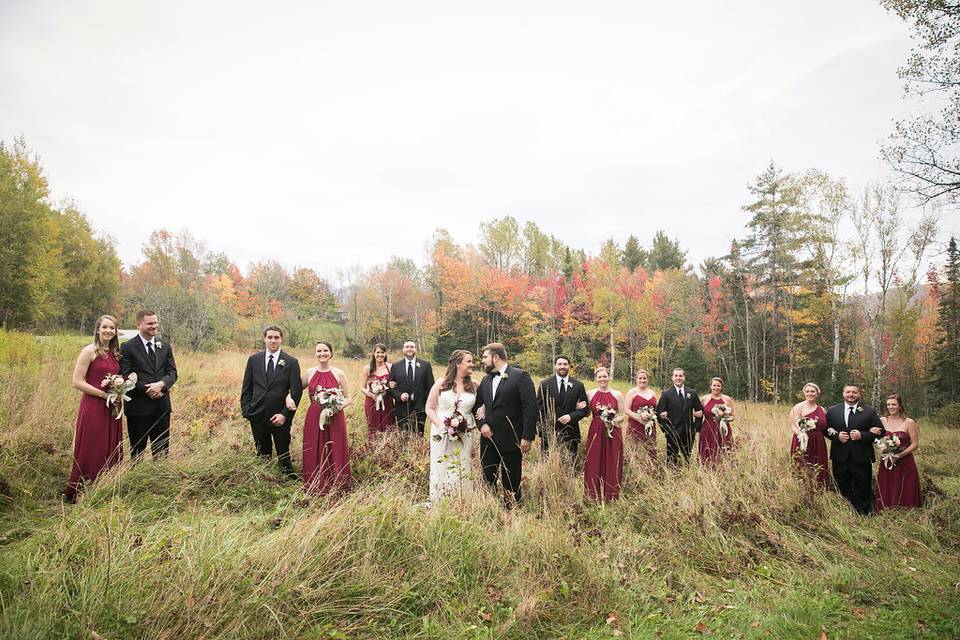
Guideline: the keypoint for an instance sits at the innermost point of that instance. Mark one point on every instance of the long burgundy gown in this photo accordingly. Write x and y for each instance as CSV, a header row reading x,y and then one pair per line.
x,y
379,420
713,443
637,431
98,443
900,486
326,457
603,466
814,459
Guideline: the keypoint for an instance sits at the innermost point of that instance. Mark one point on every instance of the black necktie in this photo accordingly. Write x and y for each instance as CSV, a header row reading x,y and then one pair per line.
x,y
151,353
271,367
563,388
850,416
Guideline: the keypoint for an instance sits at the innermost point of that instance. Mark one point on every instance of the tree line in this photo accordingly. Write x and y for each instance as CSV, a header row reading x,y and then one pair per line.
x,y
825,285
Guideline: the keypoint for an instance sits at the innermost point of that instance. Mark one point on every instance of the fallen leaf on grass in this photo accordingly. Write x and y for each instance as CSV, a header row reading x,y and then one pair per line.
x,y
860,613
486,617
823,635
612,619
703,628
755,624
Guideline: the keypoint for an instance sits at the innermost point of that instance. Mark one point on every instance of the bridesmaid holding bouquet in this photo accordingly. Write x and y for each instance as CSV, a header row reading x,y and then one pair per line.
x,y
898,482
326,456
378,404
98,440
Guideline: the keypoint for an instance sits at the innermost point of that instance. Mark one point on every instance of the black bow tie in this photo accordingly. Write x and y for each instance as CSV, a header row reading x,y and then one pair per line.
x,y
495,373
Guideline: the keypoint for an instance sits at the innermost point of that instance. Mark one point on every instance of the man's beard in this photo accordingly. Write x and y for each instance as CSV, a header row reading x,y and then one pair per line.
x,y
489,368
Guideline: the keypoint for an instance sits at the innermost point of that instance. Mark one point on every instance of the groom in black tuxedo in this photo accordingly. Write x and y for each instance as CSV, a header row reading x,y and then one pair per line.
x,y
148,411
506,409
681,416
270,375
559,396
851,449
410,382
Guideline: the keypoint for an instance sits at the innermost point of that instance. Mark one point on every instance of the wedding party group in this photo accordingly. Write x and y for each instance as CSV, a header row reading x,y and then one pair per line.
x,y
505,412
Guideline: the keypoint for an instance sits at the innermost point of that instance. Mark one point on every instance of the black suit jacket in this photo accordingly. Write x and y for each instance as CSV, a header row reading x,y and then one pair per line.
x,y
858,451
263,396
549,392
512,414
420,385
680,410
134,358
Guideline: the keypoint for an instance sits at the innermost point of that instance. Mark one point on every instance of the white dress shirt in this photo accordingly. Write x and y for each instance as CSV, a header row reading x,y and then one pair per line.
x,y
497,379
266,359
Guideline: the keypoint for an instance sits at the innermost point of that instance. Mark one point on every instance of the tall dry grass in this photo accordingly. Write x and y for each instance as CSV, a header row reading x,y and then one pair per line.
x,y
212,543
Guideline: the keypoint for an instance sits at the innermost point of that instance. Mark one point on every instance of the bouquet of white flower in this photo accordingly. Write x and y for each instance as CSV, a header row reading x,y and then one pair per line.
x,y
724,416
117,389
888,447
332,400
805,425
609,417
377,388
648,418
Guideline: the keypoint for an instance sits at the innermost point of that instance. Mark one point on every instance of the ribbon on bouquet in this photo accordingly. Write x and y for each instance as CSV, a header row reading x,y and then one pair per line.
x,y
378,403
802,440
889,460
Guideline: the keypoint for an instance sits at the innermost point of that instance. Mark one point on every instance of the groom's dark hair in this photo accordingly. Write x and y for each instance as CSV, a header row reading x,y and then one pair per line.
x,y
497,349
559,358
272,327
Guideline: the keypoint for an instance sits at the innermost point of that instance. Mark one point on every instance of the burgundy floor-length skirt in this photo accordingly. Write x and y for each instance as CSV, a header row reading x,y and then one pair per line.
x,y
603,465
98,440
326,456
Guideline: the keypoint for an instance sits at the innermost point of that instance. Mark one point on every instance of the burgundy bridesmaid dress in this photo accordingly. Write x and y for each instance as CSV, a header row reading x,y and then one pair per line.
x,y
814,459
637,431
326,458
603,466
98,443
379,420
713,443
900,486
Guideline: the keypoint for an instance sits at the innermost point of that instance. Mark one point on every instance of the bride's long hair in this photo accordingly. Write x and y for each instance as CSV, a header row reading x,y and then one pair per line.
x,y
450,377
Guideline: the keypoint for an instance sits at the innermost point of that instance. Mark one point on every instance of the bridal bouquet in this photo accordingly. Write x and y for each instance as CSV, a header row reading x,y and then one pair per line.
x,y
455,426
331,400
805,425
377,388
648,418
609,417
724,416
117,389
888,447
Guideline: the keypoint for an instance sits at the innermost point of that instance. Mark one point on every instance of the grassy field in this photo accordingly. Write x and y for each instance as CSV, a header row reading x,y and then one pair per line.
x,y
210,543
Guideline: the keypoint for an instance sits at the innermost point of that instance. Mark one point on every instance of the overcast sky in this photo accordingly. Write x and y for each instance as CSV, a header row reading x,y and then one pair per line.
x,y
327,133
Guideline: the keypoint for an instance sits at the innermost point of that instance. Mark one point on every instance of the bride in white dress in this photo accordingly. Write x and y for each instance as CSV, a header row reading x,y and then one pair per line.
x,y
451,456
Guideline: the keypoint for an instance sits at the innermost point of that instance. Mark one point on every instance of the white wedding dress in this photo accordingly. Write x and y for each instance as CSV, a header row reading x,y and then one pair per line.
x,y
451,461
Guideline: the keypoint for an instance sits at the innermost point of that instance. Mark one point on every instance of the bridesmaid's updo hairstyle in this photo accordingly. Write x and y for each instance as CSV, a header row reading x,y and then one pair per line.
x,y
597,370
450,377
326,344
717,379
812,385
114,345
902,407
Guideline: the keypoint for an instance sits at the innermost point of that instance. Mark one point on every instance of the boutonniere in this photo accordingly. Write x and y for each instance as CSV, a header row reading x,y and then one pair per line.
x,y
859,409
158,343
504,375
418,364
688,395
281,362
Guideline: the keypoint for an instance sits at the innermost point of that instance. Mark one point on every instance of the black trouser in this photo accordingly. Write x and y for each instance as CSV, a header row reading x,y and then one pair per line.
x,y
561,437
679,442
266,435
154,428
855,483
507,465
411,422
